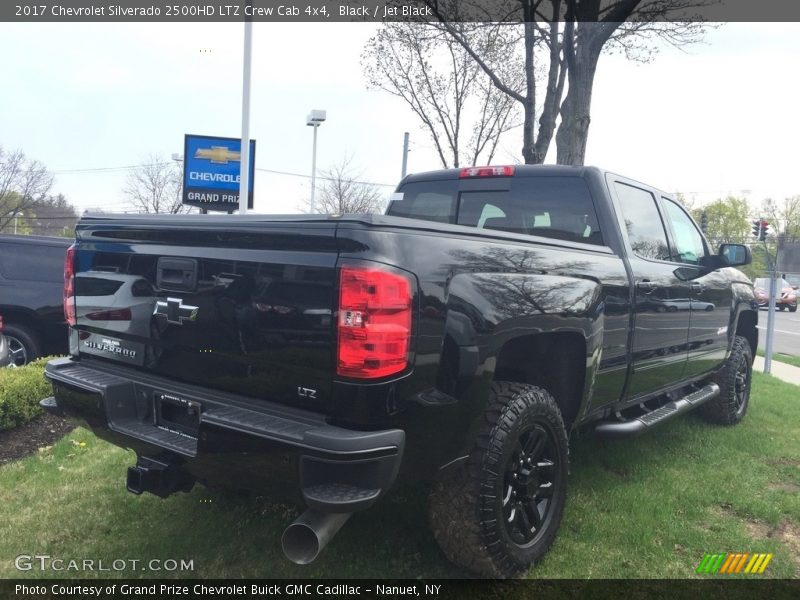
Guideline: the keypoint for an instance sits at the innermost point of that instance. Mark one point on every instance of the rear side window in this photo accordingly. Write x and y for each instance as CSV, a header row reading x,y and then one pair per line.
x,y
29,262
553,207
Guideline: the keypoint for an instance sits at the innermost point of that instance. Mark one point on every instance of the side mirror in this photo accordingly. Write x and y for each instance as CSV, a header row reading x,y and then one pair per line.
x,y
735,255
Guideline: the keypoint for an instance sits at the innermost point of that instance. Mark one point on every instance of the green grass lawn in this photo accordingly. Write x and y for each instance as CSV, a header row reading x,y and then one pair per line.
x,y
649,507
784,358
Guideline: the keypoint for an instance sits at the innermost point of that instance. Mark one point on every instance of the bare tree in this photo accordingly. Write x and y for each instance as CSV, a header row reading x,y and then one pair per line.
x,y
22,183
343,192
510,64
155,186
568,36
464,114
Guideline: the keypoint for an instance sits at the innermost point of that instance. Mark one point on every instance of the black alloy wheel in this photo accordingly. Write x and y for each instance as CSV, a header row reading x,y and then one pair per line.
x,y
529,483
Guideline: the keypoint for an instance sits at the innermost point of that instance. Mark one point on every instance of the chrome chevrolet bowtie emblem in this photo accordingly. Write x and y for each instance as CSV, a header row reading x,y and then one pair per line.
x,y
219,155
176,311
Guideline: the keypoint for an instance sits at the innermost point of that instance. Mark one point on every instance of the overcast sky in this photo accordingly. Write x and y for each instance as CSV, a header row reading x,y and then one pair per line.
x,y
716,119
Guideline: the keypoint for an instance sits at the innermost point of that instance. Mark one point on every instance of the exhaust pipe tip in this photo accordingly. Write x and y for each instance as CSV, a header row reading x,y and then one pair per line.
x,y
300,544
307,536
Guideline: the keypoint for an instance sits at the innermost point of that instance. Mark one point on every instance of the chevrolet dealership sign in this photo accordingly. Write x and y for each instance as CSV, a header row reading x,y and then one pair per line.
x,y
211,172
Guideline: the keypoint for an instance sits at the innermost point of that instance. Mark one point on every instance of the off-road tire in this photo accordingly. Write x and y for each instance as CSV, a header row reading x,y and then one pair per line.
x,y
734,380
19,336
466,510
793,308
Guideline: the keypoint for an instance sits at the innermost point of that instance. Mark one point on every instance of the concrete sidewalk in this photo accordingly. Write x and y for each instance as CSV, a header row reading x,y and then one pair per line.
x,y
787,373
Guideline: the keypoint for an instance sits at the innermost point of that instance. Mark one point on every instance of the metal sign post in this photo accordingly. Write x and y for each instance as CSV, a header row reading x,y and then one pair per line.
x,y
771,300
773,285
405,155
244,181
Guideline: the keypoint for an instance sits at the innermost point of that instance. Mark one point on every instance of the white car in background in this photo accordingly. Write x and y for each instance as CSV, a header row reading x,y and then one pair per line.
x,y
115,303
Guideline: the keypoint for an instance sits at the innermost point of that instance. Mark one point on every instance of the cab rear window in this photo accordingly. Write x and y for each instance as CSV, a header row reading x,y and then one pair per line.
x,y
553,207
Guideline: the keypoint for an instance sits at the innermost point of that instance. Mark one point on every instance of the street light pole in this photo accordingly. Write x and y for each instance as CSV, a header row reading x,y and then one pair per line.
x,y
314,119
313,171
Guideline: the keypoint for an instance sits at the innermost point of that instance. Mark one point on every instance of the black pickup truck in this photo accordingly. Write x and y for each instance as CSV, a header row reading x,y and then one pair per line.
x,y
458,340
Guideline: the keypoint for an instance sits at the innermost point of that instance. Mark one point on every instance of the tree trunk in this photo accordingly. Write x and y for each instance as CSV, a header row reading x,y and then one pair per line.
x,y
529,105
555,89
575,110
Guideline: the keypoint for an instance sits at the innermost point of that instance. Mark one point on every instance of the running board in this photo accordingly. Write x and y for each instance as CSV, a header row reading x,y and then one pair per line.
x,y
659,415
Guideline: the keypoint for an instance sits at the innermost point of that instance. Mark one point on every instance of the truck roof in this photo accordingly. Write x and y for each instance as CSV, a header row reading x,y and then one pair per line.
x,y
519,171
529,171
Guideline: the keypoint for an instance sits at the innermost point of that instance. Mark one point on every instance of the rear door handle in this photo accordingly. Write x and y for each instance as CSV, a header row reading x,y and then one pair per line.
x,y
696,286
646,285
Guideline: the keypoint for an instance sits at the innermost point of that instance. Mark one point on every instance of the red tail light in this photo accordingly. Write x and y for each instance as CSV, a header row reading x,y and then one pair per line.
x,y
69,286
374,323
116,314
507,171
1,323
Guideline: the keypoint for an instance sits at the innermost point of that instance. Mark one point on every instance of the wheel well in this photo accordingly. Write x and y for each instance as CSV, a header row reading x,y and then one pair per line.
x,y
15,316
554,361
746,327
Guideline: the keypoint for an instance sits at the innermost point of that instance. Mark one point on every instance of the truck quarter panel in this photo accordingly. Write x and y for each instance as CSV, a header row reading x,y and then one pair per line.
x,y
476,297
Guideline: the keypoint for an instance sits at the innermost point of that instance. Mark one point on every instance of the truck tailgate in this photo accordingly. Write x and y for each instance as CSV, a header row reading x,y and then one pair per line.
x,y
246,309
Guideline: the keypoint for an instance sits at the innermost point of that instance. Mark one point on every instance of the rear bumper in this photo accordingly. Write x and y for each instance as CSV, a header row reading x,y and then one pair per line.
x,y
230,441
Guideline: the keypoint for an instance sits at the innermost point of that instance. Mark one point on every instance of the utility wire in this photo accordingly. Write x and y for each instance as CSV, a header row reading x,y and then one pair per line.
x,y
325,178
276,172
100,169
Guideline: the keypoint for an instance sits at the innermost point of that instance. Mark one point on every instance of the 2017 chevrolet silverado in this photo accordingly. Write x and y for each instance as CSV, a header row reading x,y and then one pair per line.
x,y
459,340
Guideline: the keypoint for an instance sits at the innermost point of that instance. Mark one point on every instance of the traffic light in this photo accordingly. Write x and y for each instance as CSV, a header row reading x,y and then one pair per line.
x,y
764,230
704,222
760,229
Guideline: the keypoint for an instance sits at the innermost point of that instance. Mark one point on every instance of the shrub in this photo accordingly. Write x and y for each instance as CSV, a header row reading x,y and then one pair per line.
x,y
20,392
